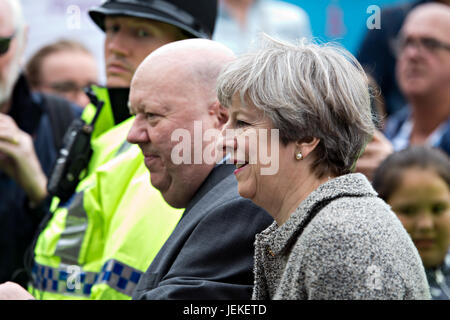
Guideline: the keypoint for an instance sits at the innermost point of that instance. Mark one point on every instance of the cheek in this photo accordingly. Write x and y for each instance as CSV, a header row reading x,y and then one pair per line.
x,y
260,183
5,62
160,141
443,73
407,222
400,73
106,52
248,181
443,226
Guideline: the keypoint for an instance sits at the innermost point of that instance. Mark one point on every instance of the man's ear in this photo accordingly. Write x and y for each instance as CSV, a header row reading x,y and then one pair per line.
x,y
220,112
306,146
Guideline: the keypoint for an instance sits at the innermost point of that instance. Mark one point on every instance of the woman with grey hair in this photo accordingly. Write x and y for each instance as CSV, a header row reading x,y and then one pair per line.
x,y
332,237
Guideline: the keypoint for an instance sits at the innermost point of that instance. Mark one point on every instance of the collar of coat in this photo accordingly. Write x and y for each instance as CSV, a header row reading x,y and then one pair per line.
x,y
280,238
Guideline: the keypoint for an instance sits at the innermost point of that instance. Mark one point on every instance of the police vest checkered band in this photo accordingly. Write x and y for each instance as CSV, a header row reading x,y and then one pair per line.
x,y
64,280
119,276
74,281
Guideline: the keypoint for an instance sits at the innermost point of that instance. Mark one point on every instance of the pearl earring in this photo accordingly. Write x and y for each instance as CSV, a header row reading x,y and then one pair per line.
x,y
299,155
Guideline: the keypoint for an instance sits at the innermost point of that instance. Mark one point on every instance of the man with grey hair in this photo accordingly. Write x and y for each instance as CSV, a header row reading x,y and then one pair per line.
x,y
423,72
27,148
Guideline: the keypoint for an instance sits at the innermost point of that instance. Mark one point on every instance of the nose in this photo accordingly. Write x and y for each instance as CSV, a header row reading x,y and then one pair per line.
x,y
81,99
138,133
413,49
117,44
425,221
227,140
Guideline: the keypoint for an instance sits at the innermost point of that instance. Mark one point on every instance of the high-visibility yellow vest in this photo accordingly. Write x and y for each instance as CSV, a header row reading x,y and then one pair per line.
x,y
100,241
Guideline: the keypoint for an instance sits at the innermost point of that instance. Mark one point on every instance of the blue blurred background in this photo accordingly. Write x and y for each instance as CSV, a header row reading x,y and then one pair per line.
x,y
341,20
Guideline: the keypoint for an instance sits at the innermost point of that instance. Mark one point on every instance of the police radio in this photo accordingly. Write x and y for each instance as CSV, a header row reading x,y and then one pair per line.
x,y
74,156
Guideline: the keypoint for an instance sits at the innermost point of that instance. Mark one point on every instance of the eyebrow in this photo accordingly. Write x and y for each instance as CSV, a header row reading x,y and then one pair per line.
x,y
163,109
131,21
242,110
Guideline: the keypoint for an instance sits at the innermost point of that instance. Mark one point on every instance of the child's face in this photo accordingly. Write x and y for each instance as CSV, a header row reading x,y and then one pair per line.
x,y
422,203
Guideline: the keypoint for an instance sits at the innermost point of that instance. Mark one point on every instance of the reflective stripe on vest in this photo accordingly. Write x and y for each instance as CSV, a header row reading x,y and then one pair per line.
x,y
71,239
69,243
124,147
71,279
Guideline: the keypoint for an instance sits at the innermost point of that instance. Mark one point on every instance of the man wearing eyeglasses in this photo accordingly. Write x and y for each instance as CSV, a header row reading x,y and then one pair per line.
x,y
423,73
27,148
63,68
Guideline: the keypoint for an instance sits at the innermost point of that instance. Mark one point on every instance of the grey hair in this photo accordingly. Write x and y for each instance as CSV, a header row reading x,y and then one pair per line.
x,y
306,90
18,20
17,14
6,88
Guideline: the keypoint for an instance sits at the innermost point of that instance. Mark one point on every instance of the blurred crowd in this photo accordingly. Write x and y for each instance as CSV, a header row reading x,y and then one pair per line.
x,y
92,205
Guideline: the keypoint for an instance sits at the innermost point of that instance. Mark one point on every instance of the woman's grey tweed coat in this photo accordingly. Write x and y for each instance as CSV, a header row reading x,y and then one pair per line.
x,y
353,248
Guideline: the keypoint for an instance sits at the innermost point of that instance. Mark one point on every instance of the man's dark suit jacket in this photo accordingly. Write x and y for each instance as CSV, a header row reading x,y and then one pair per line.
x,y
209,255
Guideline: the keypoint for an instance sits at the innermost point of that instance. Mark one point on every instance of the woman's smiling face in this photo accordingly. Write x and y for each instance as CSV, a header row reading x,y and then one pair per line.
x,y
254,147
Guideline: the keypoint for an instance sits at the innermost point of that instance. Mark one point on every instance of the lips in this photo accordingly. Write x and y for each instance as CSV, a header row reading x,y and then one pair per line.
x,y
413,71
424,243
150,159
239,166
115,67
414,74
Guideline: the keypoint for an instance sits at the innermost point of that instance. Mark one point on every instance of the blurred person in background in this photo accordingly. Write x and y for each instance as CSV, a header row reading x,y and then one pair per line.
x,y
63,68
30,136
332,237
377,51
239,22
415,182
374,153
423,73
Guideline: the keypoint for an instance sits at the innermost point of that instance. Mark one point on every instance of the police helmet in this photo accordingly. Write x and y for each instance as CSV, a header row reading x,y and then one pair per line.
x,y
196,18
